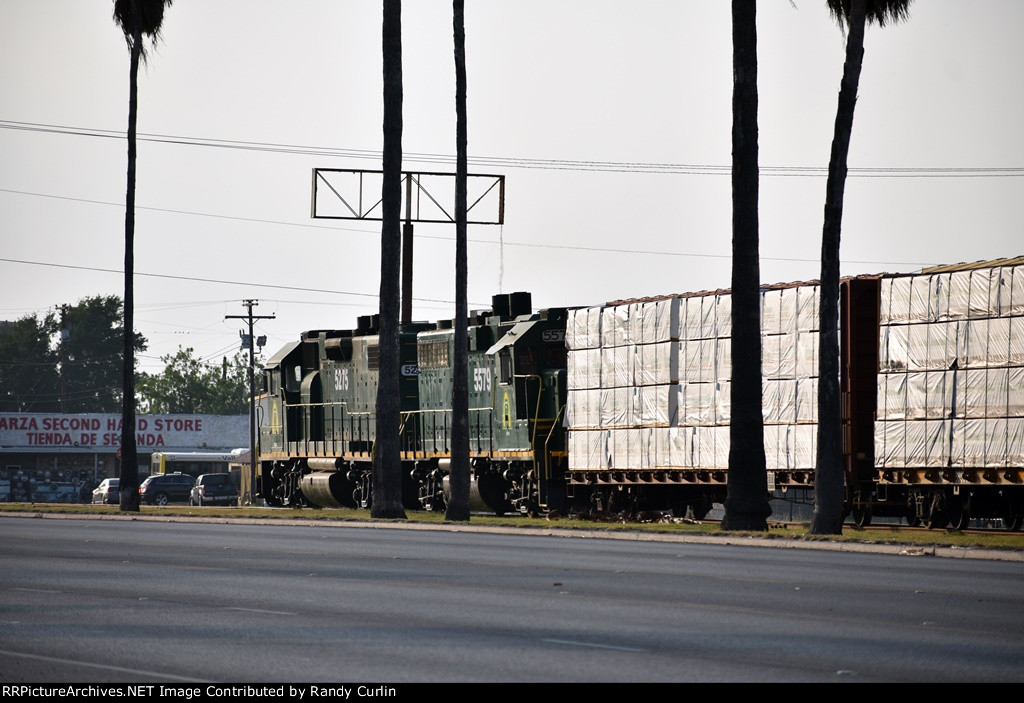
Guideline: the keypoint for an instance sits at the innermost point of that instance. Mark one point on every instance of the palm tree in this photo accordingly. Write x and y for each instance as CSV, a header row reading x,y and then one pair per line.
x,y
746,503
852,15
387,463
458,505
137,19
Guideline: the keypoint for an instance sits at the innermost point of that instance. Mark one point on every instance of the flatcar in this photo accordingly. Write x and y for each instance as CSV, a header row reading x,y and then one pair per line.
x,y
625,405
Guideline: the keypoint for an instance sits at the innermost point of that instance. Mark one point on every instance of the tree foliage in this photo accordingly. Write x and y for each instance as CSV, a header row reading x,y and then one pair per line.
x,y
68,360
28,365
188,385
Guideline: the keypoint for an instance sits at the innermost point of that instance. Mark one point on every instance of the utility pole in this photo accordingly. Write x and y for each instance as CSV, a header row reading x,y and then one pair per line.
x,y
65,336
249,304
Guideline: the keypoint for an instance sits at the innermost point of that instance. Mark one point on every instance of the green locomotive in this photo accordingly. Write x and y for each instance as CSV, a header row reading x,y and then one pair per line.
x,y
317,412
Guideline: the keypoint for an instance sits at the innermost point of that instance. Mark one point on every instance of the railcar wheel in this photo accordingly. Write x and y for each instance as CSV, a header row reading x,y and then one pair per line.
x,y
938,512
862,516
701,508
937,518
959,513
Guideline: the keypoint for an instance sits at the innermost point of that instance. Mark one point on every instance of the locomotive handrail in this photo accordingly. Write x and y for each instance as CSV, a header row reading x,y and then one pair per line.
x,y
547,441
445,413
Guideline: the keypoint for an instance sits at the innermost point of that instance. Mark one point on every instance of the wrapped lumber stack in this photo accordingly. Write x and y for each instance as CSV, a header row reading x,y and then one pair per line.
x,y
649,381
951,369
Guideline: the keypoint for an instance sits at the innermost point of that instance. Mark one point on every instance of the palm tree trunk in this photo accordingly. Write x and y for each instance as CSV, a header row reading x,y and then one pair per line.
x,y
746,504
828,475
129,474
387,464
458,505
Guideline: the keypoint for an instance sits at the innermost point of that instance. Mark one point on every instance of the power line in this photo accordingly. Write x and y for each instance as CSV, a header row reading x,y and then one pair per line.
x,y
529,163
567,247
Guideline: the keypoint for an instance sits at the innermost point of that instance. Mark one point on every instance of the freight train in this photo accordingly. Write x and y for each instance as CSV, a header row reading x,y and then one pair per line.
x,y
625,406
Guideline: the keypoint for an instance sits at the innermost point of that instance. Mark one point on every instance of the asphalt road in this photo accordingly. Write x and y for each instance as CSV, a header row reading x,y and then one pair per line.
x,y
90,600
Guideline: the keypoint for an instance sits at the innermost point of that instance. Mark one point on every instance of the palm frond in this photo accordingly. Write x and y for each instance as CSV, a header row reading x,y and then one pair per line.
x,y
880,12
145,15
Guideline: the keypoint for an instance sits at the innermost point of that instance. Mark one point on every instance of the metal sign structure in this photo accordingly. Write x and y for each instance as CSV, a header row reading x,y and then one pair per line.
x,y
355,194
427,196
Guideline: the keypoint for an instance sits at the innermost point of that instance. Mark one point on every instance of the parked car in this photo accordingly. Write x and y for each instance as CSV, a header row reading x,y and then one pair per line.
x,y
161,489
107,491
214,489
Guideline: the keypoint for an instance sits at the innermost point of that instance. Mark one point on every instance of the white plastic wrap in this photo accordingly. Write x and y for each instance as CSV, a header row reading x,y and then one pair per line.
x,y
657,321
1015,441
771,311
893,352
618,407
657,364
624,448
778,356
616,329
583,329
892,396
588,450
1016,354
776,398
583,368
696,404
723,402
723,316
985,443
680,447
921,299
698,358
807,400
806,344
709,316
1015,305
723,359
583,408
805,446
808,301
617,366
774,448
657,405
1015,392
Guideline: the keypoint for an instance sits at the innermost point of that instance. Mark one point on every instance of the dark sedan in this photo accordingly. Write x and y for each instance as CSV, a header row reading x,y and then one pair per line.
x,y
161,489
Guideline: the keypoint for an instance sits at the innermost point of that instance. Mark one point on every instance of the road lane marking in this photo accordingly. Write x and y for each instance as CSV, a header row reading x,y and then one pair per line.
x,y
258,610
594,645
105,667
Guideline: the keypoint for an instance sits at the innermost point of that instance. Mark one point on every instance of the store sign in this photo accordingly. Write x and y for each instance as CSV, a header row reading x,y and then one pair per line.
x,y
102,432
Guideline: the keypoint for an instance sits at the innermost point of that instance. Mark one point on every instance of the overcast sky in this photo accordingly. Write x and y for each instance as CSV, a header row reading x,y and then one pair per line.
x,y
622,111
